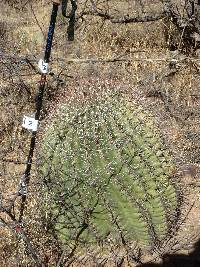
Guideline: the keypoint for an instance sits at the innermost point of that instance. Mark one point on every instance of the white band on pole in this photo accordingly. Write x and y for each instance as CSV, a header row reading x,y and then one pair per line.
x,y
43,66
30,123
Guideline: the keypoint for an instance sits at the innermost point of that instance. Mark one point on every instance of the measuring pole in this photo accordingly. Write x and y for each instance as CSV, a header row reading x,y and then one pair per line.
x,y
32,123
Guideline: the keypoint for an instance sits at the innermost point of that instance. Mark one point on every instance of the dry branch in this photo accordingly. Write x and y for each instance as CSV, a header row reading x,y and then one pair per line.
x,y
125,19
125,57
21,234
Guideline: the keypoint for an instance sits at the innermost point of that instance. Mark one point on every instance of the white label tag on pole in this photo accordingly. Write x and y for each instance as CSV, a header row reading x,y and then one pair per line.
x,y
30,123
43,66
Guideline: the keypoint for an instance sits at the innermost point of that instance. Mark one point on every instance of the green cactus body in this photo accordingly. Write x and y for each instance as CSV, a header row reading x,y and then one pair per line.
x,y
106,168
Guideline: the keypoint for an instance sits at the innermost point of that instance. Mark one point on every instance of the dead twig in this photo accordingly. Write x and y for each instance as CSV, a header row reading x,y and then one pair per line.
x,y
21,234
125,19
124,57
36,20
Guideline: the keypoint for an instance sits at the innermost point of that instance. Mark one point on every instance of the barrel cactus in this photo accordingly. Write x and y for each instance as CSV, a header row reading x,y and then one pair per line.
x,y
108,174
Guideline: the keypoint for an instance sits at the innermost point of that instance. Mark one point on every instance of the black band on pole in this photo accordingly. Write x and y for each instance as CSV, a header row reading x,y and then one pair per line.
x,y
51,32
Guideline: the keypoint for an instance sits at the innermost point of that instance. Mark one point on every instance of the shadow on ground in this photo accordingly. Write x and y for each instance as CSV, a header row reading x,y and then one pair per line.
x,y
179,260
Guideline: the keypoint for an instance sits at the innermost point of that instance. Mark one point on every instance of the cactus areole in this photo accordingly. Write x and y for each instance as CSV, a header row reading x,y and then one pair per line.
x,y
108,174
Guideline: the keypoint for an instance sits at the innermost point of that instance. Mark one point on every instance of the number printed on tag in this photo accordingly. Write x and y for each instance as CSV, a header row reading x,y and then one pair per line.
x,y
43,66
30,123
